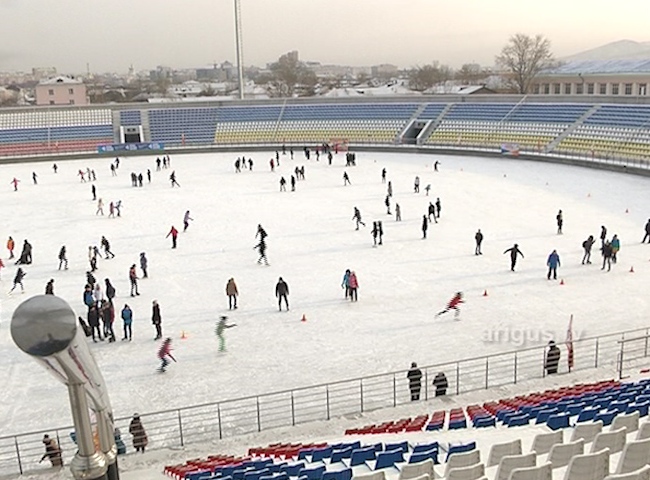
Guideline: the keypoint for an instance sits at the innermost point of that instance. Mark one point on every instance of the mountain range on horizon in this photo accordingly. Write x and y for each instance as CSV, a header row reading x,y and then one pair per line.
x,y
618,50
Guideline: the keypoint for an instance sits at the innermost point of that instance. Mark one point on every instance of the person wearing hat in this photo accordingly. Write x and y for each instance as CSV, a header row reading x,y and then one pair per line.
x,y
414,376
552,358
52,451
49,288
136,429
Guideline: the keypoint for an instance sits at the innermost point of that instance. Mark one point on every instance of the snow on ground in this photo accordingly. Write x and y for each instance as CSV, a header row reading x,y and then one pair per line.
x,y
311,242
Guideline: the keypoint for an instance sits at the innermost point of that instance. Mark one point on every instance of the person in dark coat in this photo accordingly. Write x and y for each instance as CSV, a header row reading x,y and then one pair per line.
x,y
438,207
586,245
560,222
261,249
93,322
136,429
156,319
387,203
431,211
127,321
607,252
52,451
346,179
647,232
107,248
479,239
553,262
90,280
63,260
133,279
552,358
441,384
414,376
281,292
375,233
514,251
283,184
49,288
425,226
18,280
143,264
26,254
110,290
603,235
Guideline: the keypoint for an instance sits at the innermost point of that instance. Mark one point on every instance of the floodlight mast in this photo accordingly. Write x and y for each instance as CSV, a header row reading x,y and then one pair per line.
x,y
240,49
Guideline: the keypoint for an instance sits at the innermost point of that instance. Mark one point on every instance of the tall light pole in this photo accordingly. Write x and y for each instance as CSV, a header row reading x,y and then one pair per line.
x,y
240,49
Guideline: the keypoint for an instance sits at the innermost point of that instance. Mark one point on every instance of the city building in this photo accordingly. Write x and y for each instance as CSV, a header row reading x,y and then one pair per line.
x,y
596,77
61,91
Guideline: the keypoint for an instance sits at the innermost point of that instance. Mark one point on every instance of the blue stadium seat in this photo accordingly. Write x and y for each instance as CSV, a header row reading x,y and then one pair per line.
x,y
588,414
338,455
606,417
483,422
518,420
388,459
641,407
425,447
424,455
461,448
312,473
345,474
293,469
402,446
558,420
321,454
359,457
542,415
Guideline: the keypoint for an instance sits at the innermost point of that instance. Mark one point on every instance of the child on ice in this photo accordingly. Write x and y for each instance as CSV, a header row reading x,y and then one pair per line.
x,y
164,352
221,326
453,305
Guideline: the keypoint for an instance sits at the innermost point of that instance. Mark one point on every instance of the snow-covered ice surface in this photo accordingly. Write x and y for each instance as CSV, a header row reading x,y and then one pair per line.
x,y
311,242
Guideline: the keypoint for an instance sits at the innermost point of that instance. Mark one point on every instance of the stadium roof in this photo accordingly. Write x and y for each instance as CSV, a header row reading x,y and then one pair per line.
x,y
602,66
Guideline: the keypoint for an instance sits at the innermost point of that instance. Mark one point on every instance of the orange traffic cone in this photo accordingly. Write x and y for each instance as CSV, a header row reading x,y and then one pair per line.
x,y
562,282
304,318
631,269
485,293
183,335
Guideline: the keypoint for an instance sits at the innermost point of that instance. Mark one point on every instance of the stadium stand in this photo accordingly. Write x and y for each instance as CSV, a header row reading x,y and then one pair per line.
x,y
54,131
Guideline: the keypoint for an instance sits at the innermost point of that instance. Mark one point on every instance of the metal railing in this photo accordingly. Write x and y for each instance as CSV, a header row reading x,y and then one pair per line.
x,y
633,351
216,420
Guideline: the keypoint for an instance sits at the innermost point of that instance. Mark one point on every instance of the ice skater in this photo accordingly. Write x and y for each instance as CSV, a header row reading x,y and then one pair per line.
x,y
647,232
553,262
15,183
100,207
156,319
107,248
172,179
186,220
261,249
232,293
63,260
10,246
560,221
49,287
387,203
174,234
143,265
357,216
514,251
283,184
586,246
375,233
165,352
221,327
34,178
346,179
438,207
383,175
479,239
346,283
353,285
18,280
133,280
282,292
425,226
416,185
453,304
398,213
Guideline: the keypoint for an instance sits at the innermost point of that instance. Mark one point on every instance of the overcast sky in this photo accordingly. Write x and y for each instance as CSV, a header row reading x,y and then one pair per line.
x,y
110,35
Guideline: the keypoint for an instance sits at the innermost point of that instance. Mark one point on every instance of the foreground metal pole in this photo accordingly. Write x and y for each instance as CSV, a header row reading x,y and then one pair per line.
x,y
45,327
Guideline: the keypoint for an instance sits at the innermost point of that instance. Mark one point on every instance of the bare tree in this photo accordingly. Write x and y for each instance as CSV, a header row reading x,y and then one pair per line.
x,y
287,75
423,78
470,74
523,58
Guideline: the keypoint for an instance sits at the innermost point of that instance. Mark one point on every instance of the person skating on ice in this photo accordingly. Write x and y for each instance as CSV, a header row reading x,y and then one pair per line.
x,y
425,226
172,179
354,286
560,221
553,262
389,190
174,234
346,179
100,207
398,213
431,212
186,220
127,321
10,246
357,217
63,260
93,322
427,189
603,235
34,178
143,265
416,185
220,329
261,232
282,292
283,184
107,248
261,249
293,183
49,287
478,238
15,183
156,319
232,293
164,353
133,280
345,283
387,203
514,251
438,207
586,246
18,280
383,175
380,231
453,304
93,190
55,167
375,233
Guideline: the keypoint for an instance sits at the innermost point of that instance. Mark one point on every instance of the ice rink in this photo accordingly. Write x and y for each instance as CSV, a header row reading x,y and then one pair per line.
x,y
312,240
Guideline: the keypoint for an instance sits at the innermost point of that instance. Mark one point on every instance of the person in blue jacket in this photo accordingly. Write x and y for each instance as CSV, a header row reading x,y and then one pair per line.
x,y
127,319
346,283
88,296
553,262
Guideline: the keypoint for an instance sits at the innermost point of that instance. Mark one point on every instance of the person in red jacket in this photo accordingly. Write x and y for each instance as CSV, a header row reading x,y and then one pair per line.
x,y
453,305
174,233
164,352
353,285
